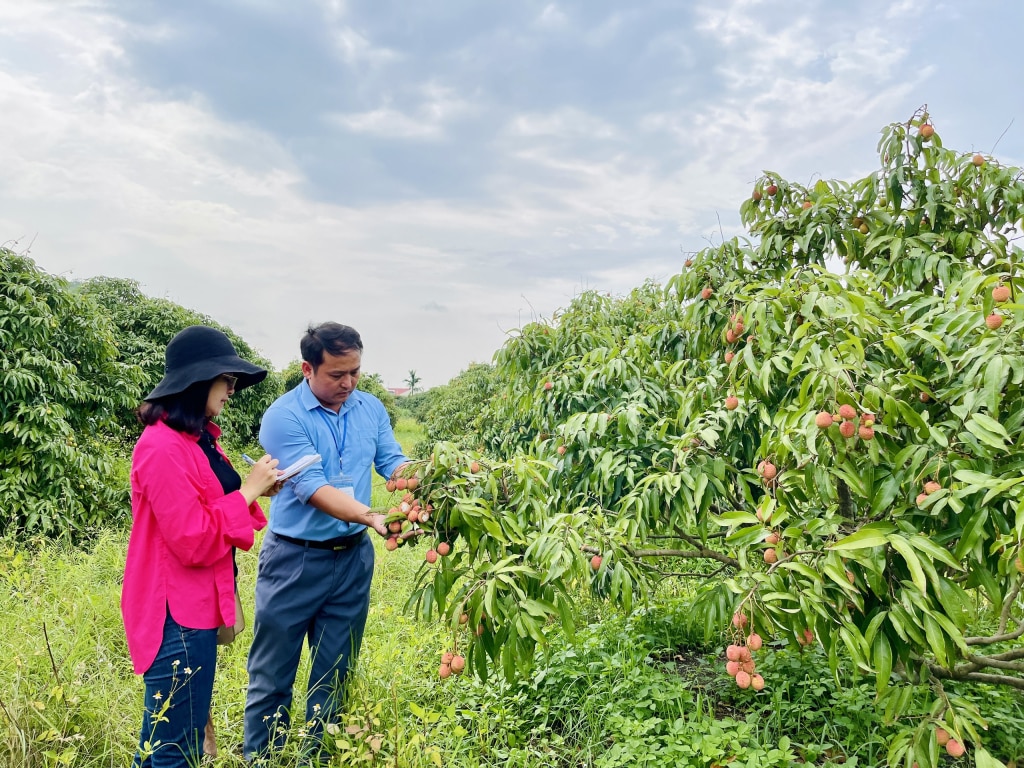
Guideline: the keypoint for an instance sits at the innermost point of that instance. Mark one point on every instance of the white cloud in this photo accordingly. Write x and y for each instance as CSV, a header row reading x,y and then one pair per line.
x,y
355,48
437,107
563,123
552,16
117,177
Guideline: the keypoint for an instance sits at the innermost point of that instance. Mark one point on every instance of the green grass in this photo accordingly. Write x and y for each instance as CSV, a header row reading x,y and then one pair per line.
x,y
640,690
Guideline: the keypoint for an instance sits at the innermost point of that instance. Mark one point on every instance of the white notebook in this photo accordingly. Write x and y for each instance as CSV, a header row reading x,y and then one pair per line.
x,y
298,466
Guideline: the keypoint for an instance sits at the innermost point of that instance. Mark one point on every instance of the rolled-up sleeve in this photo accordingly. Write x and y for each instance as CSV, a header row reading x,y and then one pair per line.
x,y
285,438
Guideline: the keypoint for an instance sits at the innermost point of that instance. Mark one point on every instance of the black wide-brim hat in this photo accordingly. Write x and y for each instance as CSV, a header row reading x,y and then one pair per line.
x,y
201,353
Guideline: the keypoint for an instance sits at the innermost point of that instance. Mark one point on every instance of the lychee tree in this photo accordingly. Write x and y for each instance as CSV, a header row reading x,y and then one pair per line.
x,y
825,421
143,325
62,386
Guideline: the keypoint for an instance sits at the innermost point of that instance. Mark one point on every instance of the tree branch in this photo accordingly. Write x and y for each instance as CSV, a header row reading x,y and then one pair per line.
x,y
1011,598
1019,632
980,662
978,677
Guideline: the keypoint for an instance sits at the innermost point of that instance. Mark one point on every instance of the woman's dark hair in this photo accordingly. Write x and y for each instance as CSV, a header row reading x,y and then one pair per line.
x,y
334,338
184,411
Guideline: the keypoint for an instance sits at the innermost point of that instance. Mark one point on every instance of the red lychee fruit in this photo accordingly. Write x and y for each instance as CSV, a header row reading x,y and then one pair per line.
x,y
823,420
731,403
1001,293
994,321
847,429
847,411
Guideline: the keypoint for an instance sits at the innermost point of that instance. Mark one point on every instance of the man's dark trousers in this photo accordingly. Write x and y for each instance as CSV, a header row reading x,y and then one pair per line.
x,y
319,595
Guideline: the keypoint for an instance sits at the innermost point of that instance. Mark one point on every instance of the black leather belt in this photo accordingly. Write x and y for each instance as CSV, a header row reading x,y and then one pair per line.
x,y
337,544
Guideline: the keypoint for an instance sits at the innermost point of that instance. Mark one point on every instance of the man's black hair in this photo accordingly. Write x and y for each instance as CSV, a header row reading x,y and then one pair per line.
x,y
333,338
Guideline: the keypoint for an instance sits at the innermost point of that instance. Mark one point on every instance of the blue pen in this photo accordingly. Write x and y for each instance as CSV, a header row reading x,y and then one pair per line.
x,y
248,459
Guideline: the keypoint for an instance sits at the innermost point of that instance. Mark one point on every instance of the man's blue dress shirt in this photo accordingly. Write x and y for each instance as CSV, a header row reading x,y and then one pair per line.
x,y
351,442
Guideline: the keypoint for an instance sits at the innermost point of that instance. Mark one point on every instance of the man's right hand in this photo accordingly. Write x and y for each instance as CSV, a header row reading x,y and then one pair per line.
x,y
375,520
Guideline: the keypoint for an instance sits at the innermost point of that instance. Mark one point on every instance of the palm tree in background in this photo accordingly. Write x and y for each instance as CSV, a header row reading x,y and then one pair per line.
x,y
412,380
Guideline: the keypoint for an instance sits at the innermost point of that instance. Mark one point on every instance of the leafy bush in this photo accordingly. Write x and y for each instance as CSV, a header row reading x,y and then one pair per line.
x,y
144,327
696,423
416,405
454,410
63,385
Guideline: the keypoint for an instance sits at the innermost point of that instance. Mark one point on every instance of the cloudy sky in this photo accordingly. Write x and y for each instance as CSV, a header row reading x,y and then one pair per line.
x,y
438,173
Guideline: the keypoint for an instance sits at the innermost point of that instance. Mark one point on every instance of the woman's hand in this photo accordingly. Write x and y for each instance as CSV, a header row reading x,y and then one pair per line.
x,y
277,487
262,479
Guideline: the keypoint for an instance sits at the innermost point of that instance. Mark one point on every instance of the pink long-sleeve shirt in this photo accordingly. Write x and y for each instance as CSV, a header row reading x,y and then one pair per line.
x,y
179,552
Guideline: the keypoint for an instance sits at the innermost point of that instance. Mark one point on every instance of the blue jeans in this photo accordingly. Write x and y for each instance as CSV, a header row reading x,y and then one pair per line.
x,y
315,595
179,687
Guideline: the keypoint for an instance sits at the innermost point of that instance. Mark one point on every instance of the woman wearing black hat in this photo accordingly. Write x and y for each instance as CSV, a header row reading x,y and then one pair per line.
x,y
190,510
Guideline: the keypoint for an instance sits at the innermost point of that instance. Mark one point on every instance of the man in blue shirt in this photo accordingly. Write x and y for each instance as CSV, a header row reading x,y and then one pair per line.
x,y
316,561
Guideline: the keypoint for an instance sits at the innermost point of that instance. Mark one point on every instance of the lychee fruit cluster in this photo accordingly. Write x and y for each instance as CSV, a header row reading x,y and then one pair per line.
x,y
451,664
927,490
739,657
850,422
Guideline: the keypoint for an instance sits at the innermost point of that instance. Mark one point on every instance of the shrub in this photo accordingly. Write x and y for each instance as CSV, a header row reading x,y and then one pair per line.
x,y
63,385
